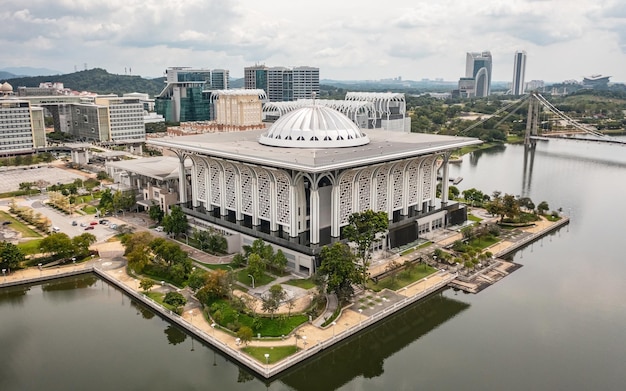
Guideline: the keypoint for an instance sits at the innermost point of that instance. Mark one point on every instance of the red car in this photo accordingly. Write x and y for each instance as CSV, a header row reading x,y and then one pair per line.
x,y
93,223
88,228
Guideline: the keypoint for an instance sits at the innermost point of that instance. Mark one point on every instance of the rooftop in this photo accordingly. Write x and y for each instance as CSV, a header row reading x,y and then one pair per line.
x,y
160,168
244,147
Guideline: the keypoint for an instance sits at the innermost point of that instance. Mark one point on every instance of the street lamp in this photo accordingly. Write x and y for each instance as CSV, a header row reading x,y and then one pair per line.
x,y
252,277
213,325
4,274
39,269
334,324
304,339
360,315
191,313
267,358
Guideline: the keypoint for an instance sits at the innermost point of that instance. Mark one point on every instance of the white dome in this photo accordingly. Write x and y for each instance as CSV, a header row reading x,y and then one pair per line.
x,y
6,87
314,127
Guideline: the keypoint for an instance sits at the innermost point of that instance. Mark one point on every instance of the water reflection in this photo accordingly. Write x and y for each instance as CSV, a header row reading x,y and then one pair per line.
x,y
475,156
365,354
70,283
174,335
142,310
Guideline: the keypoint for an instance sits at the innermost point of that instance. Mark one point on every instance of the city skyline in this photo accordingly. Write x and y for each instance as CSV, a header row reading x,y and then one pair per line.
x,y
346,41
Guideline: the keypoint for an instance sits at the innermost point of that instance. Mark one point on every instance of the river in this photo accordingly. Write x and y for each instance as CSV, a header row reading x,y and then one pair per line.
x,y
557,323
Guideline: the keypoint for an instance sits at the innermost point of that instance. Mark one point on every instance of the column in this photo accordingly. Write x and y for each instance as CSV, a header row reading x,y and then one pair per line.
x,y
182,180
194,184
334,207
445,179
293,212
314,231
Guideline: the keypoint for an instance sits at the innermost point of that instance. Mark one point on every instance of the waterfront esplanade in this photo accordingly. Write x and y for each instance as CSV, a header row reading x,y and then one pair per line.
x,y
296,184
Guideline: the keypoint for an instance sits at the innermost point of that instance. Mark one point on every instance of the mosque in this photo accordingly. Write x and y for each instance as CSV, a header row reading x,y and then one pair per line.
x,y
296,184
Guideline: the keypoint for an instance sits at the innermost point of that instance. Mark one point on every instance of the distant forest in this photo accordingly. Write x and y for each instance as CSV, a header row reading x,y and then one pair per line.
x,y
95,80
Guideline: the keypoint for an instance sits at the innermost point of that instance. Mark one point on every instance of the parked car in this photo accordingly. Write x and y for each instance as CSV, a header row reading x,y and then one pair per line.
x,y
104,221
83,224
159,229
88,227
113,226
6,222
74,223
93,223
56,229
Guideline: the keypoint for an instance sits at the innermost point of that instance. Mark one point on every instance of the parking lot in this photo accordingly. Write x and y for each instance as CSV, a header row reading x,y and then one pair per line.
x,y
64,222
11,179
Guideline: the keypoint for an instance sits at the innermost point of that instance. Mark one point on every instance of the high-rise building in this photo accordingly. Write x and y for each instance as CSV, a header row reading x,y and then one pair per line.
x,y
187,95
519,72
478,67
283,84
219,79
306,82
255,77
21,126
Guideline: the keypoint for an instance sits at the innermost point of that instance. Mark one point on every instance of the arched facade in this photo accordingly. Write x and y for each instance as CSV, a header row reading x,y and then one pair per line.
x,y
290,201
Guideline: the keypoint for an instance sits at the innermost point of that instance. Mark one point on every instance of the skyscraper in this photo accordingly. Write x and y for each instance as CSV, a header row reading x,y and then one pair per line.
x,y
519,72
283,84
478,67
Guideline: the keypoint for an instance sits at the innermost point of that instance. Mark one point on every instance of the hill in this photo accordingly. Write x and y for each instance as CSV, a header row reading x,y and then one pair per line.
x,y
95,80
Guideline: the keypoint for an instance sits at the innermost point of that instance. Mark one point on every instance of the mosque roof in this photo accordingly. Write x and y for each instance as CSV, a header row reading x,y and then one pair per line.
x,y
384,146
314,126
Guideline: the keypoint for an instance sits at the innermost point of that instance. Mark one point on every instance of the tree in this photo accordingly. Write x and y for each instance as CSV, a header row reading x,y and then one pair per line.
x,y
10,256
215,286
137,250
339,270
146,284
197,279
362,230
256,266
82,242
271,301
176,222
510,206
543,207
245,334
106,201
57,243
175,299
279,261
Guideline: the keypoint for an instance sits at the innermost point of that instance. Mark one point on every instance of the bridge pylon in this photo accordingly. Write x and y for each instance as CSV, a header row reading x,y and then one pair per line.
x,y
532,121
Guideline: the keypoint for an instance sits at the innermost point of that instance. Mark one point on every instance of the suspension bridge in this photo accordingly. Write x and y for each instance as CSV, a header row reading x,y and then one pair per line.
x,y
539,124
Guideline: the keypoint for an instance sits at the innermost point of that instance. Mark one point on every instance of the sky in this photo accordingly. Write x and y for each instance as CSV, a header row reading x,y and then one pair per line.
x,y
346,39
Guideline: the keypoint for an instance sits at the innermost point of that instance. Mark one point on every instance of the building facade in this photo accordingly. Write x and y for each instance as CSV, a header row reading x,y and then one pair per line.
x,y
187,94
21,127
283,84
478,67
296,185
519,73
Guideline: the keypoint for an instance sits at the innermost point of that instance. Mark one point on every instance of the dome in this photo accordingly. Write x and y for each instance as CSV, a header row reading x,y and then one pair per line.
x,y
6,87
314,127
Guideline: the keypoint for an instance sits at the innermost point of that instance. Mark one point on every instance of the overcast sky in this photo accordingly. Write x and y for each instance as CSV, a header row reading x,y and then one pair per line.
x,y
346,39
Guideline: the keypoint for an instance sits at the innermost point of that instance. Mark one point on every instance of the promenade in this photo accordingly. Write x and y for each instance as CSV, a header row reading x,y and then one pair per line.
x,y
367,308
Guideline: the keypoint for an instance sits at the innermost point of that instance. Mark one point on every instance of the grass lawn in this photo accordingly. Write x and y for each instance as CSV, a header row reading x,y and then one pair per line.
x,y
90,210
403,278
158,297
302,283
484,242
276,353
224,314
242,277
552,218
218,266
31,247
18,226
471,217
